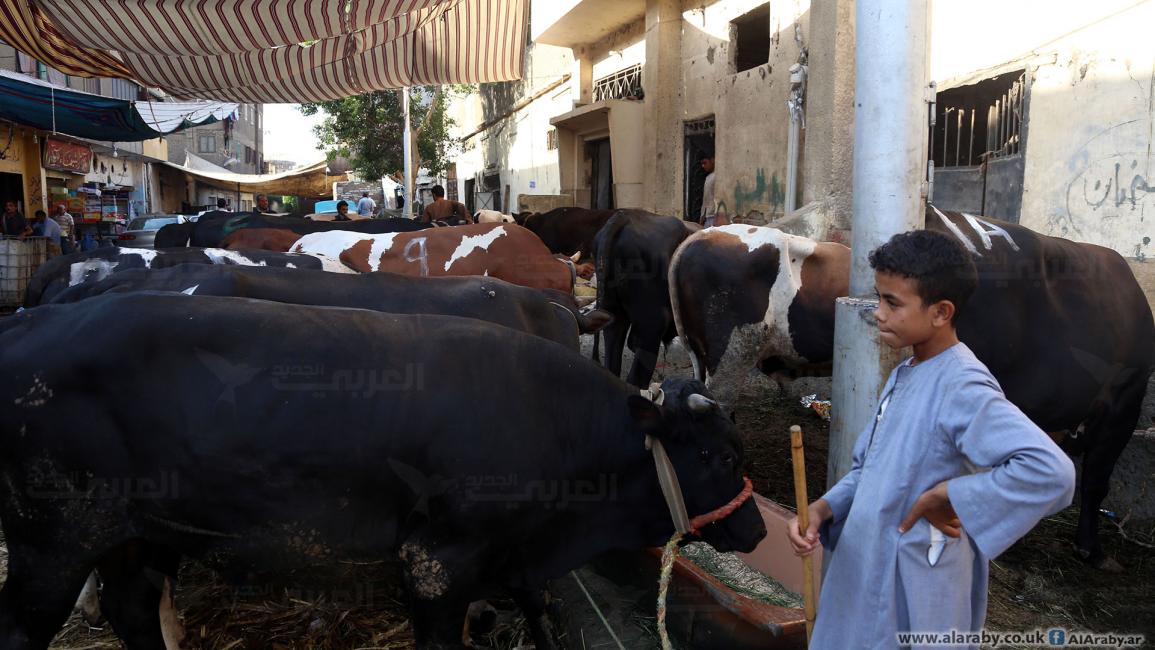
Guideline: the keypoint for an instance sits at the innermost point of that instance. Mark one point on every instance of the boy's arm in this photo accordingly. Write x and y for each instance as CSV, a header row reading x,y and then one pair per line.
x,y
1030,477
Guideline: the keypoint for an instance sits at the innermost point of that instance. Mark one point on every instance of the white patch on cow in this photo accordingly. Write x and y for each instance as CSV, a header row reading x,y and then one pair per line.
x,y
290,265
492,216
991,229
145,254
223,256
473,242
957,232
191,290
334,242
382,243
82,271
753,236
330,264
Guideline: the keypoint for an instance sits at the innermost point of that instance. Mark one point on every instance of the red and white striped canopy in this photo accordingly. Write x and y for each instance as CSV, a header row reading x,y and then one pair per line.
x,y
260,51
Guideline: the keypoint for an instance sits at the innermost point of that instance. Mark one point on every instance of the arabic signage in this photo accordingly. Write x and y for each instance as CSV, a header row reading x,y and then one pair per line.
x,y
67,156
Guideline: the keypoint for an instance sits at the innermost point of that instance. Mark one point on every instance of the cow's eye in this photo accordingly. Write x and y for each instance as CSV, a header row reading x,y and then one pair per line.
x,y
728,459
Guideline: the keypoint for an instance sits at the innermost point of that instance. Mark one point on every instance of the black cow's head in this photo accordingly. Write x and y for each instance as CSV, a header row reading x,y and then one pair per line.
x,y
706,452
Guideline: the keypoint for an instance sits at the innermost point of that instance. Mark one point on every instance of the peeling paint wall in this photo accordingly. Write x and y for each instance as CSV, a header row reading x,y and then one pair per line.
x,y
1090,170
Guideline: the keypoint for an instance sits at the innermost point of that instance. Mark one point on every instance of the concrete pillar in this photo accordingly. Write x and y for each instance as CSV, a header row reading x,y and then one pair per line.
x,y
890,126
582,77
662,80
828,152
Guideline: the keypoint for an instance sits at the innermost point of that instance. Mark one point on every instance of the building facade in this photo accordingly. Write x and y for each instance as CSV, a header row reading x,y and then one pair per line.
x,y
236,143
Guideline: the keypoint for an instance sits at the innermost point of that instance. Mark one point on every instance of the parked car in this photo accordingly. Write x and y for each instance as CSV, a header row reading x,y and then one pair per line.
x,y
141,231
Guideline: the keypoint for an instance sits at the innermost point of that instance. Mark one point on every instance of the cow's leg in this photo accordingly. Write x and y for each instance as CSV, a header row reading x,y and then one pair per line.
x,y
439,594
136,579
742,353
1109,437
534,603
615,336
38,595
649,342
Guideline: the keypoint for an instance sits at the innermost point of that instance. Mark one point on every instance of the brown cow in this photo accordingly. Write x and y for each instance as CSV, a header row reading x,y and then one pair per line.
x,y
263,239
500,250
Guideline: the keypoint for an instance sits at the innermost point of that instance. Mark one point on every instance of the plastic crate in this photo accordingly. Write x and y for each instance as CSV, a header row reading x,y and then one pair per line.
x,y
18,261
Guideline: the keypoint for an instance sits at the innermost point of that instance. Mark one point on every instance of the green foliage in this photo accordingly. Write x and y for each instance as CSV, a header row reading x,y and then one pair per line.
x,y
367,129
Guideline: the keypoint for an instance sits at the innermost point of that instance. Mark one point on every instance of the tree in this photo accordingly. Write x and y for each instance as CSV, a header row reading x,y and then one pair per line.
x,y
367,129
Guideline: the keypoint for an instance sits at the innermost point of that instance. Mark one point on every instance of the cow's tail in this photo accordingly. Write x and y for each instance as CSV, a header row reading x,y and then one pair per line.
x,y
672,279
603,251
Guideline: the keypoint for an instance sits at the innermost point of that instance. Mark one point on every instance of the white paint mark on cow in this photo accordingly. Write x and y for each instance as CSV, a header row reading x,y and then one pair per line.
x,y
957,232
94,270
331,243
191,290
422,256
991,229
145,254
473,242
223,256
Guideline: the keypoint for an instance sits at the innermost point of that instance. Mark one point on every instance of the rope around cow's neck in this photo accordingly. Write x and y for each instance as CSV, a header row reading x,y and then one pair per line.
x,y
672,491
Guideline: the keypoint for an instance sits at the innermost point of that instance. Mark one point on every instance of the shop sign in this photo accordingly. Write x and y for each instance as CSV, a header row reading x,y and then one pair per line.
x,y
67,156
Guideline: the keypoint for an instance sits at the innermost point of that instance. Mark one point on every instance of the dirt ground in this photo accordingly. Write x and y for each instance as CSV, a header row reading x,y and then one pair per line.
x,y
1038,583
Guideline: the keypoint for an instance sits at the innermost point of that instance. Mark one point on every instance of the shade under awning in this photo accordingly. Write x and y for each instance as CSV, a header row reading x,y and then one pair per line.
x,y
310,180
272,52
48,107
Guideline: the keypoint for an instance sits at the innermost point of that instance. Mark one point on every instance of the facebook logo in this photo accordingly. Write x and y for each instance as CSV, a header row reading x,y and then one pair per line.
x,y
1057,637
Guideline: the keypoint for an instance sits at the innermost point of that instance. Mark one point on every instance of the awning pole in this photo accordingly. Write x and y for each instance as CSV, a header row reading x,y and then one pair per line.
x,y
408,183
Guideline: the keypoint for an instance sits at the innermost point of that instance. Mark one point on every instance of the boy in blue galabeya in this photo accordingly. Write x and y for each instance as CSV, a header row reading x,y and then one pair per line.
x,y
945,477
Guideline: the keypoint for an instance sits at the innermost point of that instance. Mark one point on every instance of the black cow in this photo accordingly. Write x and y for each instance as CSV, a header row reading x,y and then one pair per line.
x,y
633,252
1064,326
174,235
212,228
58,273
568,230
331,440
546,313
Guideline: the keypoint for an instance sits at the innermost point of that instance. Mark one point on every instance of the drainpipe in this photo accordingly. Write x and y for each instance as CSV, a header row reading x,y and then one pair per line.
x,y
408,167
795,105
890,125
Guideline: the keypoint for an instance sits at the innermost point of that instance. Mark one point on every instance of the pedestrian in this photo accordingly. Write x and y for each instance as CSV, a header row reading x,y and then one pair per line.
x,y
67,228
223,205
47,228
709,206
262,205
913,526
342,211
13,224
442,209
366,207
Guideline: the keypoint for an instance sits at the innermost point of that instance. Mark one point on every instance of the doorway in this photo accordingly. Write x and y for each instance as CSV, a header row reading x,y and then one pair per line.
x,y
470,200
699,141
12,189
602,176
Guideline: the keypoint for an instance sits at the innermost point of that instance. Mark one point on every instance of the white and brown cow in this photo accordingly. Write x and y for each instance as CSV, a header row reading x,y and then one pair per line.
x,y
492,216
500,250
1064,326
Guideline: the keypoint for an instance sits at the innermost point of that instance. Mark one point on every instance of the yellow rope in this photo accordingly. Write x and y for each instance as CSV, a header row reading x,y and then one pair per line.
x,y
669,554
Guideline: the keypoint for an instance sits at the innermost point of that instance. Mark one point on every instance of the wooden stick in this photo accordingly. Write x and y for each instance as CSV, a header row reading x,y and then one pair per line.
x,y
803,503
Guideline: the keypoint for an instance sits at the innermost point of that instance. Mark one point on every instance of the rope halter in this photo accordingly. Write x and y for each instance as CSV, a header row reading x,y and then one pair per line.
x,y
672,491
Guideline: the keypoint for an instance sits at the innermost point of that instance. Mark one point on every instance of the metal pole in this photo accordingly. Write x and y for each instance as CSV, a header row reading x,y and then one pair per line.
x,y
892,92
408,182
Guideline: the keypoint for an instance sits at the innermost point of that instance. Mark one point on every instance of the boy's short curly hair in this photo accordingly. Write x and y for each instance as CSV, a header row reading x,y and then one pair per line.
x,y
941,268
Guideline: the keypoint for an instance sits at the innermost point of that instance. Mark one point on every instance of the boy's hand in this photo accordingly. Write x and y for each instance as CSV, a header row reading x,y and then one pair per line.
x,y
805,542
934,506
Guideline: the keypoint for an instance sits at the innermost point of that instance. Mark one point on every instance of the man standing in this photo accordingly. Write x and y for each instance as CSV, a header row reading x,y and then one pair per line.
x,y
223,205
442,209
48,229
13,223
366,207
262,205
67,228
709,207
342,211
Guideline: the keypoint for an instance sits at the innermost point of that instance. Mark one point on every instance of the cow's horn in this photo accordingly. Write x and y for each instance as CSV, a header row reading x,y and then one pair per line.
x,y
576,257
701,403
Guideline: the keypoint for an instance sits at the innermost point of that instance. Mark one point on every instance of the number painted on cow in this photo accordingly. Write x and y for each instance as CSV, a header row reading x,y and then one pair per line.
x,y
983,228
422,254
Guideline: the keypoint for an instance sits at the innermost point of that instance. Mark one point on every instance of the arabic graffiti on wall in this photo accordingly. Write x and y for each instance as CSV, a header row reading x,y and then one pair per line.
x,y
1111,179
760,196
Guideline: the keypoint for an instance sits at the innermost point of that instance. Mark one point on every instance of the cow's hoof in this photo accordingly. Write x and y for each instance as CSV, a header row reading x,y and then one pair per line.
x,y
1099,561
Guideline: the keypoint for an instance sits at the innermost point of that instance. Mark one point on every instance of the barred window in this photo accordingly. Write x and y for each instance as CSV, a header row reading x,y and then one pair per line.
x,y
551,140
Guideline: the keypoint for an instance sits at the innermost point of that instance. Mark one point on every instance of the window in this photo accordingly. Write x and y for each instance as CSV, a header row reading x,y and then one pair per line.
x,y
551,140
207,143
979,122
750,35
249,155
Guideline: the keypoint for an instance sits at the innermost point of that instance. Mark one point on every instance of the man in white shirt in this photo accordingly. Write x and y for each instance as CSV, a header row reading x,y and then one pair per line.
x,y
366,207
67,228
709,207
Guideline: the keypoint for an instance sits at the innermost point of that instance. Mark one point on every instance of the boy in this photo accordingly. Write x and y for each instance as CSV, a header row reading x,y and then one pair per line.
x,y
913,524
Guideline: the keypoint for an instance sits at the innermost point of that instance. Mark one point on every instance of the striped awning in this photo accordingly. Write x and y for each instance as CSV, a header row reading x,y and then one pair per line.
x,y
269,51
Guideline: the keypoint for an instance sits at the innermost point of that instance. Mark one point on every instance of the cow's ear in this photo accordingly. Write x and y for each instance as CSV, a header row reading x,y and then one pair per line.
x,y
646,414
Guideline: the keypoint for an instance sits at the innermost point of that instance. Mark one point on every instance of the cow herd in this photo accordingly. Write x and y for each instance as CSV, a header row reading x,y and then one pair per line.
x,y
263,394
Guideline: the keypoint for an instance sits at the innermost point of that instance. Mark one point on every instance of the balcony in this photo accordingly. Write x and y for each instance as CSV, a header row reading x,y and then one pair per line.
x,y
573,23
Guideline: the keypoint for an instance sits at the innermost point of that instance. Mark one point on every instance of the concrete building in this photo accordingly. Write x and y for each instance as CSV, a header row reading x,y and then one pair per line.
x,y
1048,122
235,144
